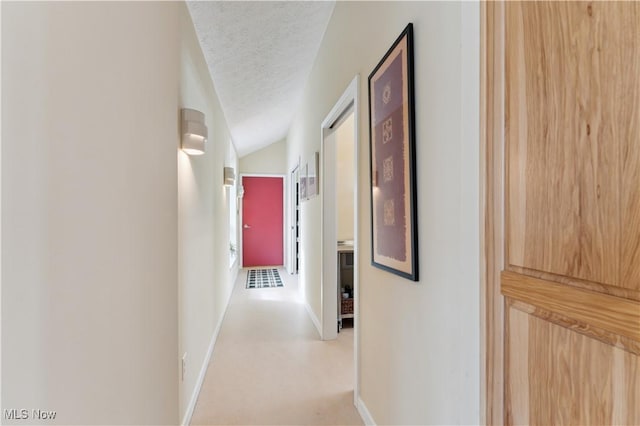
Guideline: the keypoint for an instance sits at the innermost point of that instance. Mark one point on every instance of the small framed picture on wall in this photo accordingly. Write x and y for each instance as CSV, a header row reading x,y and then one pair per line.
x,y
303,183
312,176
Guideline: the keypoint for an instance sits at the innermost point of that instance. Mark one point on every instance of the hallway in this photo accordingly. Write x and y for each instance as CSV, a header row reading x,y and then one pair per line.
x,y
269,366
118,234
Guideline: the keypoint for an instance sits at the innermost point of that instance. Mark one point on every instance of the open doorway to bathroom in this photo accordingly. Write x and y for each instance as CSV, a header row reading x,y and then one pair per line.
x,y
342,136
339,195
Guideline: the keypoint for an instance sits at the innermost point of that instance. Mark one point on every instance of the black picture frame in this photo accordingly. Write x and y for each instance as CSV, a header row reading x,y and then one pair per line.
x,y
392,160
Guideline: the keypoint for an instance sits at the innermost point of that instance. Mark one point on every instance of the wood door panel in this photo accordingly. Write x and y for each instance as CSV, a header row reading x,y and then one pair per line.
x,y
541,386
586,309
627,107
626,391
561,193
517,398
572,109
492,231
576,282
630,196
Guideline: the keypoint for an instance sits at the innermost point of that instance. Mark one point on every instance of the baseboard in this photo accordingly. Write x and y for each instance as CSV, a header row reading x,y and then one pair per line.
x,y
186,420
364,413
234,273
314,318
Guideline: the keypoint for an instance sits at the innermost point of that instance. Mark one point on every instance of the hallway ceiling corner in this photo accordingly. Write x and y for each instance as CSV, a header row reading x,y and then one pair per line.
x,y
260,55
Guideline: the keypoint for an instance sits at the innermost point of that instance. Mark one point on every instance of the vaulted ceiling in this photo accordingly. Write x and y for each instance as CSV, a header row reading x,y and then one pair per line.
x,y
260,55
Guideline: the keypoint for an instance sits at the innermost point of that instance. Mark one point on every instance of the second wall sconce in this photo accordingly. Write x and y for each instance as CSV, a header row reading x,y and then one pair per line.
x,y
229,176
194,132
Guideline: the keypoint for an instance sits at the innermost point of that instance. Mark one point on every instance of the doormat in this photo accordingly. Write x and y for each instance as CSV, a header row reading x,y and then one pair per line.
x,y
263,278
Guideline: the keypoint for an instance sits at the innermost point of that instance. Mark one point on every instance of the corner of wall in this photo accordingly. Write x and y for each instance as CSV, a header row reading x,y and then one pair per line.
x,y
272,159
314,318
364,413
186,419
204,227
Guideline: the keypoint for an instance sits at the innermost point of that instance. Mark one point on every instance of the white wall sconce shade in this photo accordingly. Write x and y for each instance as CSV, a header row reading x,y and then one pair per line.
x,y
229,176
194,132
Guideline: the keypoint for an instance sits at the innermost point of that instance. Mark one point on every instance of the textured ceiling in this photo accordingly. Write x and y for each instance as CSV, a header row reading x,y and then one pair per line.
x,y
260,56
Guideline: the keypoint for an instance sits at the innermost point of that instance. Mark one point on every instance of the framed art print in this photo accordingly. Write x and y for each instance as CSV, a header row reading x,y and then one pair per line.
x,y
312,176
394,234
303,183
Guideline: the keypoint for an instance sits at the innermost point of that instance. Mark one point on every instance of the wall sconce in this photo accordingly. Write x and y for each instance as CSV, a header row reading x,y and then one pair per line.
x,y
194,132
229,178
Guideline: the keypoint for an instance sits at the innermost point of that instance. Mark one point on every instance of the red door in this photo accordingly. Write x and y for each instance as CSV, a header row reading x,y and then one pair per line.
x,y
262,243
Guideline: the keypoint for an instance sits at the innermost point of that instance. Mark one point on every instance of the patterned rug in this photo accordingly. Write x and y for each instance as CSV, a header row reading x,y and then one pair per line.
x,y
263,278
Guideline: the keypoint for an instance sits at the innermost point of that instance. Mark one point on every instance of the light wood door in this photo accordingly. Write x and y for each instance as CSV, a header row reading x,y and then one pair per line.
x,y
561,168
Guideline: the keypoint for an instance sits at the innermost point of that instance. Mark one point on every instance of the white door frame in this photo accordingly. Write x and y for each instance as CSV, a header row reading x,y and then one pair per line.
x,y
329,257
241,219
291,184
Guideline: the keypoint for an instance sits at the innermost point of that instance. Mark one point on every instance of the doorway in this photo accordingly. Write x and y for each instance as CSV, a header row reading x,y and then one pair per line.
x,y
339,147
294,232
262,221
335,185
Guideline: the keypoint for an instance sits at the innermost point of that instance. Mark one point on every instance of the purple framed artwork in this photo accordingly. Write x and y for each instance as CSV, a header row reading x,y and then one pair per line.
x,y
394,233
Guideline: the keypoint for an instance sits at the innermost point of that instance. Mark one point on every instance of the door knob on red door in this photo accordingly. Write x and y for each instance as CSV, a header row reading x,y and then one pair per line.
x,y
246,226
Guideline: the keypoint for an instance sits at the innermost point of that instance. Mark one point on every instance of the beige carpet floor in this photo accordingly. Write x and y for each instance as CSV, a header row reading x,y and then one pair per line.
x,y
269,366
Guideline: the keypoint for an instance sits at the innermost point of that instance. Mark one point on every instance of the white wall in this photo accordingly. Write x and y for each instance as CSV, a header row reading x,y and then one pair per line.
x,y
115,250
344,178
269,160
89,199
206,281
419,342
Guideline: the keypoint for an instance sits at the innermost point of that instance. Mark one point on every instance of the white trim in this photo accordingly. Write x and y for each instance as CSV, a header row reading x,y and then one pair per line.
x,y
234,272
364,413
1,213
356,239
314,319
186,420
284,222
351,94
291,231
263,174
328,236
284,216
